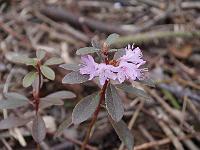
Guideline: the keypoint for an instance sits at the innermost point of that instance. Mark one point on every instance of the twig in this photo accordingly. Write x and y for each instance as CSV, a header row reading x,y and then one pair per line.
x,y
170,134
175,113
177,130
6,144
65,27
146,133
163,141
151,36
89,147
60,14
190,5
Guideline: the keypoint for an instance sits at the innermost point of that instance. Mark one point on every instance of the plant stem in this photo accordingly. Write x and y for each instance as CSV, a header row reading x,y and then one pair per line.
x,y
36,92
95,115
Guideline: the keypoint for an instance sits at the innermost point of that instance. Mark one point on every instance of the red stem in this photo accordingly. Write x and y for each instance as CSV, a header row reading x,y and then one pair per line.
x,y
95,115
36,93
102,99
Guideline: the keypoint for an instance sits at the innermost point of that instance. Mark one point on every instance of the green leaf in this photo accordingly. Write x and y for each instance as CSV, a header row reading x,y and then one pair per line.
x,y
47,72
61,95
119,54
132,90
114,103
13,100
86,50
95,43
40,54
38,129
65,124
19,58
75,78
85,108
12,103
48,102
54,61
73,67
12,122
112,38
113,50
31,62
14,95
124,133
29,78
148,82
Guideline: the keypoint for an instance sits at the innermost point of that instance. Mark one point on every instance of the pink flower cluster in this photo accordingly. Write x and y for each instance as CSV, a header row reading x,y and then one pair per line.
x,y
127,68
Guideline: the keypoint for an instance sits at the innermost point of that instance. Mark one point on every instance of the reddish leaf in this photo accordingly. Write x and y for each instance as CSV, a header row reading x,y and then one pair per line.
x,y
114,104
73,67
124,133
132,90
85,108
48,102
38,129
61,95
12,122
74,78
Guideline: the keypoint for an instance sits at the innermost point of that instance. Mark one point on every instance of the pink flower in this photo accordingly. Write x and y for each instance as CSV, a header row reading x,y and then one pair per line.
x,y
89,66
106,72
128,68
133,55
128,71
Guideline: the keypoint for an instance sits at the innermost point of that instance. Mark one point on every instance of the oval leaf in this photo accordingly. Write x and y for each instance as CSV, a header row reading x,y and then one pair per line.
x,y
13,95
54,61
112,38
73,67
47,72
85,108
29,78
148,82
12,103
13,100
12,122
48,102
61,95
124,133
38,129
119,54
95,43
75,78
40,54
114,103
86,50
65,124
17,57
132,90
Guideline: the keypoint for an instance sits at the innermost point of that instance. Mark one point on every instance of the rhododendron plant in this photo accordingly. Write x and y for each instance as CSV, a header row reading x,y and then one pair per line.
x,y
116,66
